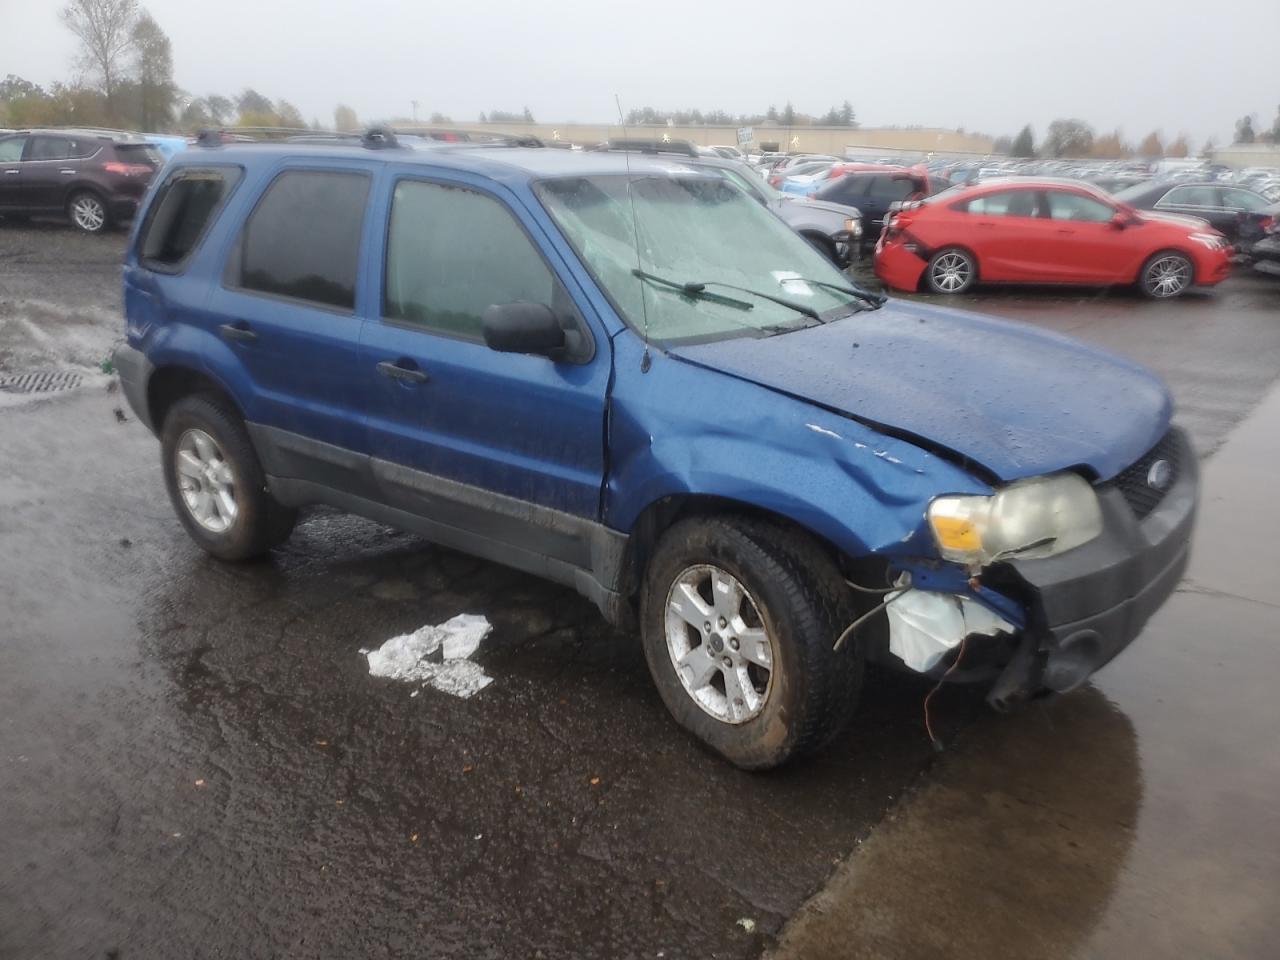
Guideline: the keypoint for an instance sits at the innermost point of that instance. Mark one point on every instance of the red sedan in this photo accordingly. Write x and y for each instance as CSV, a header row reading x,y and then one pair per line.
x,y
1045,231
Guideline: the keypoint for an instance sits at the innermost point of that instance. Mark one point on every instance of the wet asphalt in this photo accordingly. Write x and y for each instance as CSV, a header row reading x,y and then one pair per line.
x,y
194,761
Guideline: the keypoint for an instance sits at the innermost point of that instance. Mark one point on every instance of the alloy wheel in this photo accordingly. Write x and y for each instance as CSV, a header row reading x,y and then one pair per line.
x,y
206,481
1168,276
951,272
88,213
718,644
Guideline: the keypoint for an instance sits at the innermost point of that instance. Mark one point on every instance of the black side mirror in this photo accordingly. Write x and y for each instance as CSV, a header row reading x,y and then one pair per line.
x,y
523,327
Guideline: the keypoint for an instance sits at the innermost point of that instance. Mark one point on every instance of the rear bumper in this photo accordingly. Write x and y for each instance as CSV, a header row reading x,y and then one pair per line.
x,y
1088,604
134,370
897,267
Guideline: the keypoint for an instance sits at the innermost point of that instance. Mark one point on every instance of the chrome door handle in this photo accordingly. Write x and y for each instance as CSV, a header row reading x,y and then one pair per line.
x,y
396,372
12,173
240,332
66,171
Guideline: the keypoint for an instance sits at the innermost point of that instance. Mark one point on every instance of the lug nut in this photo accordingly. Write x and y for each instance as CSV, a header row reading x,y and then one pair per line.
x,y
723,623
706,627
727,662
733,643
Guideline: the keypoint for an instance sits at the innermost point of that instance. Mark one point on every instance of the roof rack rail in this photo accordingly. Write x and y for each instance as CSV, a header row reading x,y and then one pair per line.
x,y
684,148
458,135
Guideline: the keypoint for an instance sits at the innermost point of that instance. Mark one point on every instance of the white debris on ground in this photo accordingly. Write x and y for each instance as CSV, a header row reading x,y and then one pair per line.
x,y
436,656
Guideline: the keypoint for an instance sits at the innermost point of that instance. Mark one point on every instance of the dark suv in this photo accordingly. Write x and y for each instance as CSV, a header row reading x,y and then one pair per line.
x,y
626,375
94,177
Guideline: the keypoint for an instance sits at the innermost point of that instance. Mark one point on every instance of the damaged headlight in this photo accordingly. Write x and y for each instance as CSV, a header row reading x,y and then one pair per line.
x,y
1032,518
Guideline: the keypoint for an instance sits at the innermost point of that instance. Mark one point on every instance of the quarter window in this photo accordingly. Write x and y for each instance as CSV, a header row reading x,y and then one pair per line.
x,y
303,239
451,252
181,212
1076,206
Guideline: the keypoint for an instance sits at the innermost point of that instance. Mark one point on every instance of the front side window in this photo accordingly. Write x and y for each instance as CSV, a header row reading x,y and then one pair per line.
x,y
452,252
1189,197
181,212
1075,206
844,190
1004,203
668,252
49,148
11,149
302,241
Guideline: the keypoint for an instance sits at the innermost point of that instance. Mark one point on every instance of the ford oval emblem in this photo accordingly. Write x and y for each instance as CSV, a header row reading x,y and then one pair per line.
x,y
1160,475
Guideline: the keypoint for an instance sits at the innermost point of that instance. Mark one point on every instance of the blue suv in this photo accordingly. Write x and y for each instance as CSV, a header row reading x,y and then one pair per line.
x,y
626,376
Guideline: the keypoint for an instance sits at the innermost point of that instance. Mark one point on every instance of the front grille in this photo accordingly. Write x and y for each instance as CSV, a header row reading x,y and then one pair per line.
x,y
1134,482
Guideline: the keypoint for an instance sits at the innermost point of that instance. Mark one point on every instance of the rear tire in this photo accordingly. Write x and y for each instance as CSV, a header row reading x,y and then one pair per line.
x,y
951,271
765,594
216,484
1166,275
88,212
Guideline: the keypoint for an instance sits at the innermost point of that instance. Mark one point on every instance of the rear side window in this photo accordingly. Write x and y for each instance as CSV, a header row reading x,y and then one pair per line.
x,y
892,188
183,209
451,253
50,148
1190,197
1242,200
302,241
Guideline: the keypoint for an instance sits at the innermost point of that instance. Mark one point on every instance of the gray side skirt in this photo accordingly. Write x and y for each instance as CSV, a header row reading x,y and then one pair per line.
x,y
557,546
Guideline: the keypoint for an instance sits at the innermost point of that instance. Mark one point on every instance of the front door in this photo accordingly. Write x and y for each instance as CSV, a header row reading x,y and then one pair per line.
x,y
1088,247
501,448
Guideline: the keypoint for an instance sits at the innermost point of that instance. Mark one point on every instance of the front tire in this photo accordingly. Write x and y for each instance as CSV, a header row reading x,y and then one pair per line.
x,y
88,212
216,484
951,271
738,621
1166,275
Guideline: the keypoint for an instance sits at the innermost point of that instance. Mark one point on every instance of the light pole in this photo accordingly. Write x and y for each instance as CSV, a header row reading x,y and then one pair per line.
x,y
415,110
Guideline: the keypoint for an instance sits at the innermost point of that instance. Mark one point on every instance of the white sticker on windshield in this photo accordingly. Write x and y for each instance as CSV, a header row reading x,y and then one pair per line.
x,y
792,283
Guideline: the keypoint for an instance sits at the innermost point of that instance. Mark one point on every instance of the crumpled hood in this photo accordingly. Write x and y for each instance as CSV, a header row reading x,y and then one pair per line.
x,y
1015,400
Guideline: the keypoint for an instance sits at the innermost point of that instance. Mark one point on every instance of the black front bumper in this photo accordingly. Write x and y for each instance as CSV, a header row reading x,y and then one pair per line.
x,y
134,369
1088,604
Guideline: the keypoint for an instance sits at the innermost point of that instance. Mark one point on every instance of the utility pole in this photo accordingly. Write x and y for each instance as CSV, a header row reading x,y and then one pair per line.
x,y
415,110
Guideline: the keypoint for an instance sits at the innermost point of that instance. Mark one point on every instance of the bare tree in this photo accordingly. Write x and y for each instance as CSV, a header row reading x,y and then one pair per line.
x,y
104,28
154,63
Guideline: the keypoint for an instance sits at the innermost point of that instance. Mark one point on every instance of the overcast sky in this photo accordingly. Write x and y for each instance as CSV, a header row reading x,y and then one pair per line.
x,y
985,65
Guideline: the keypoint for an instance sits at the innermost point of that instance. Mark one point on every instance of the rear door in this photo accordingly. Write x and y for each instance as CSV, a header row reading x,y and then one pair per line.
x,y
882,190
287,318
1007,234
11,170
503,447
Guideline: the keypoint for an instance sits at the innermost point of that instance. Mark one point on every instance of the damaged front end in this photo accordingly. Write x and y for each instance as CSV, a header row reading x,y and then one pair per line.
x,y
1038,620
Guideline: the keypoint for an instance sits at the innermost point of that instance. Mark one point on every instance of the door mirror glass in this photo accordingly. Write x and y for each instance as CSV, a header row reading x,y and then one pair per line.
x,y
523,327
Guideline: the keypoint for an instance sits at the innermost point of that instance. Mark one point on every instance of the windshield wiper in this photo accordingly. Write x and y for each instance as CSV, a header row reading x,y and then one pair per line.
x,y
873,300
694,291
804,308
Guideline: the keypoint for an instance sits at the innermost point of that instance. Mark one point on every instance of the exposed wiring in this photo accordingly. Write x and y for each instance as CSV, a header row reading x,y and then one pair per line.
x,y
937,744
876,590
848,631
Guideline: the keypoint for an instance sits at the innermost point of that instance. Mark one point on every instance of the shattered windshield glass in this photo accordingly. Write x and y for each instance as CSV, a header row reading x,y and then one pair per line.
x,y
687,233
